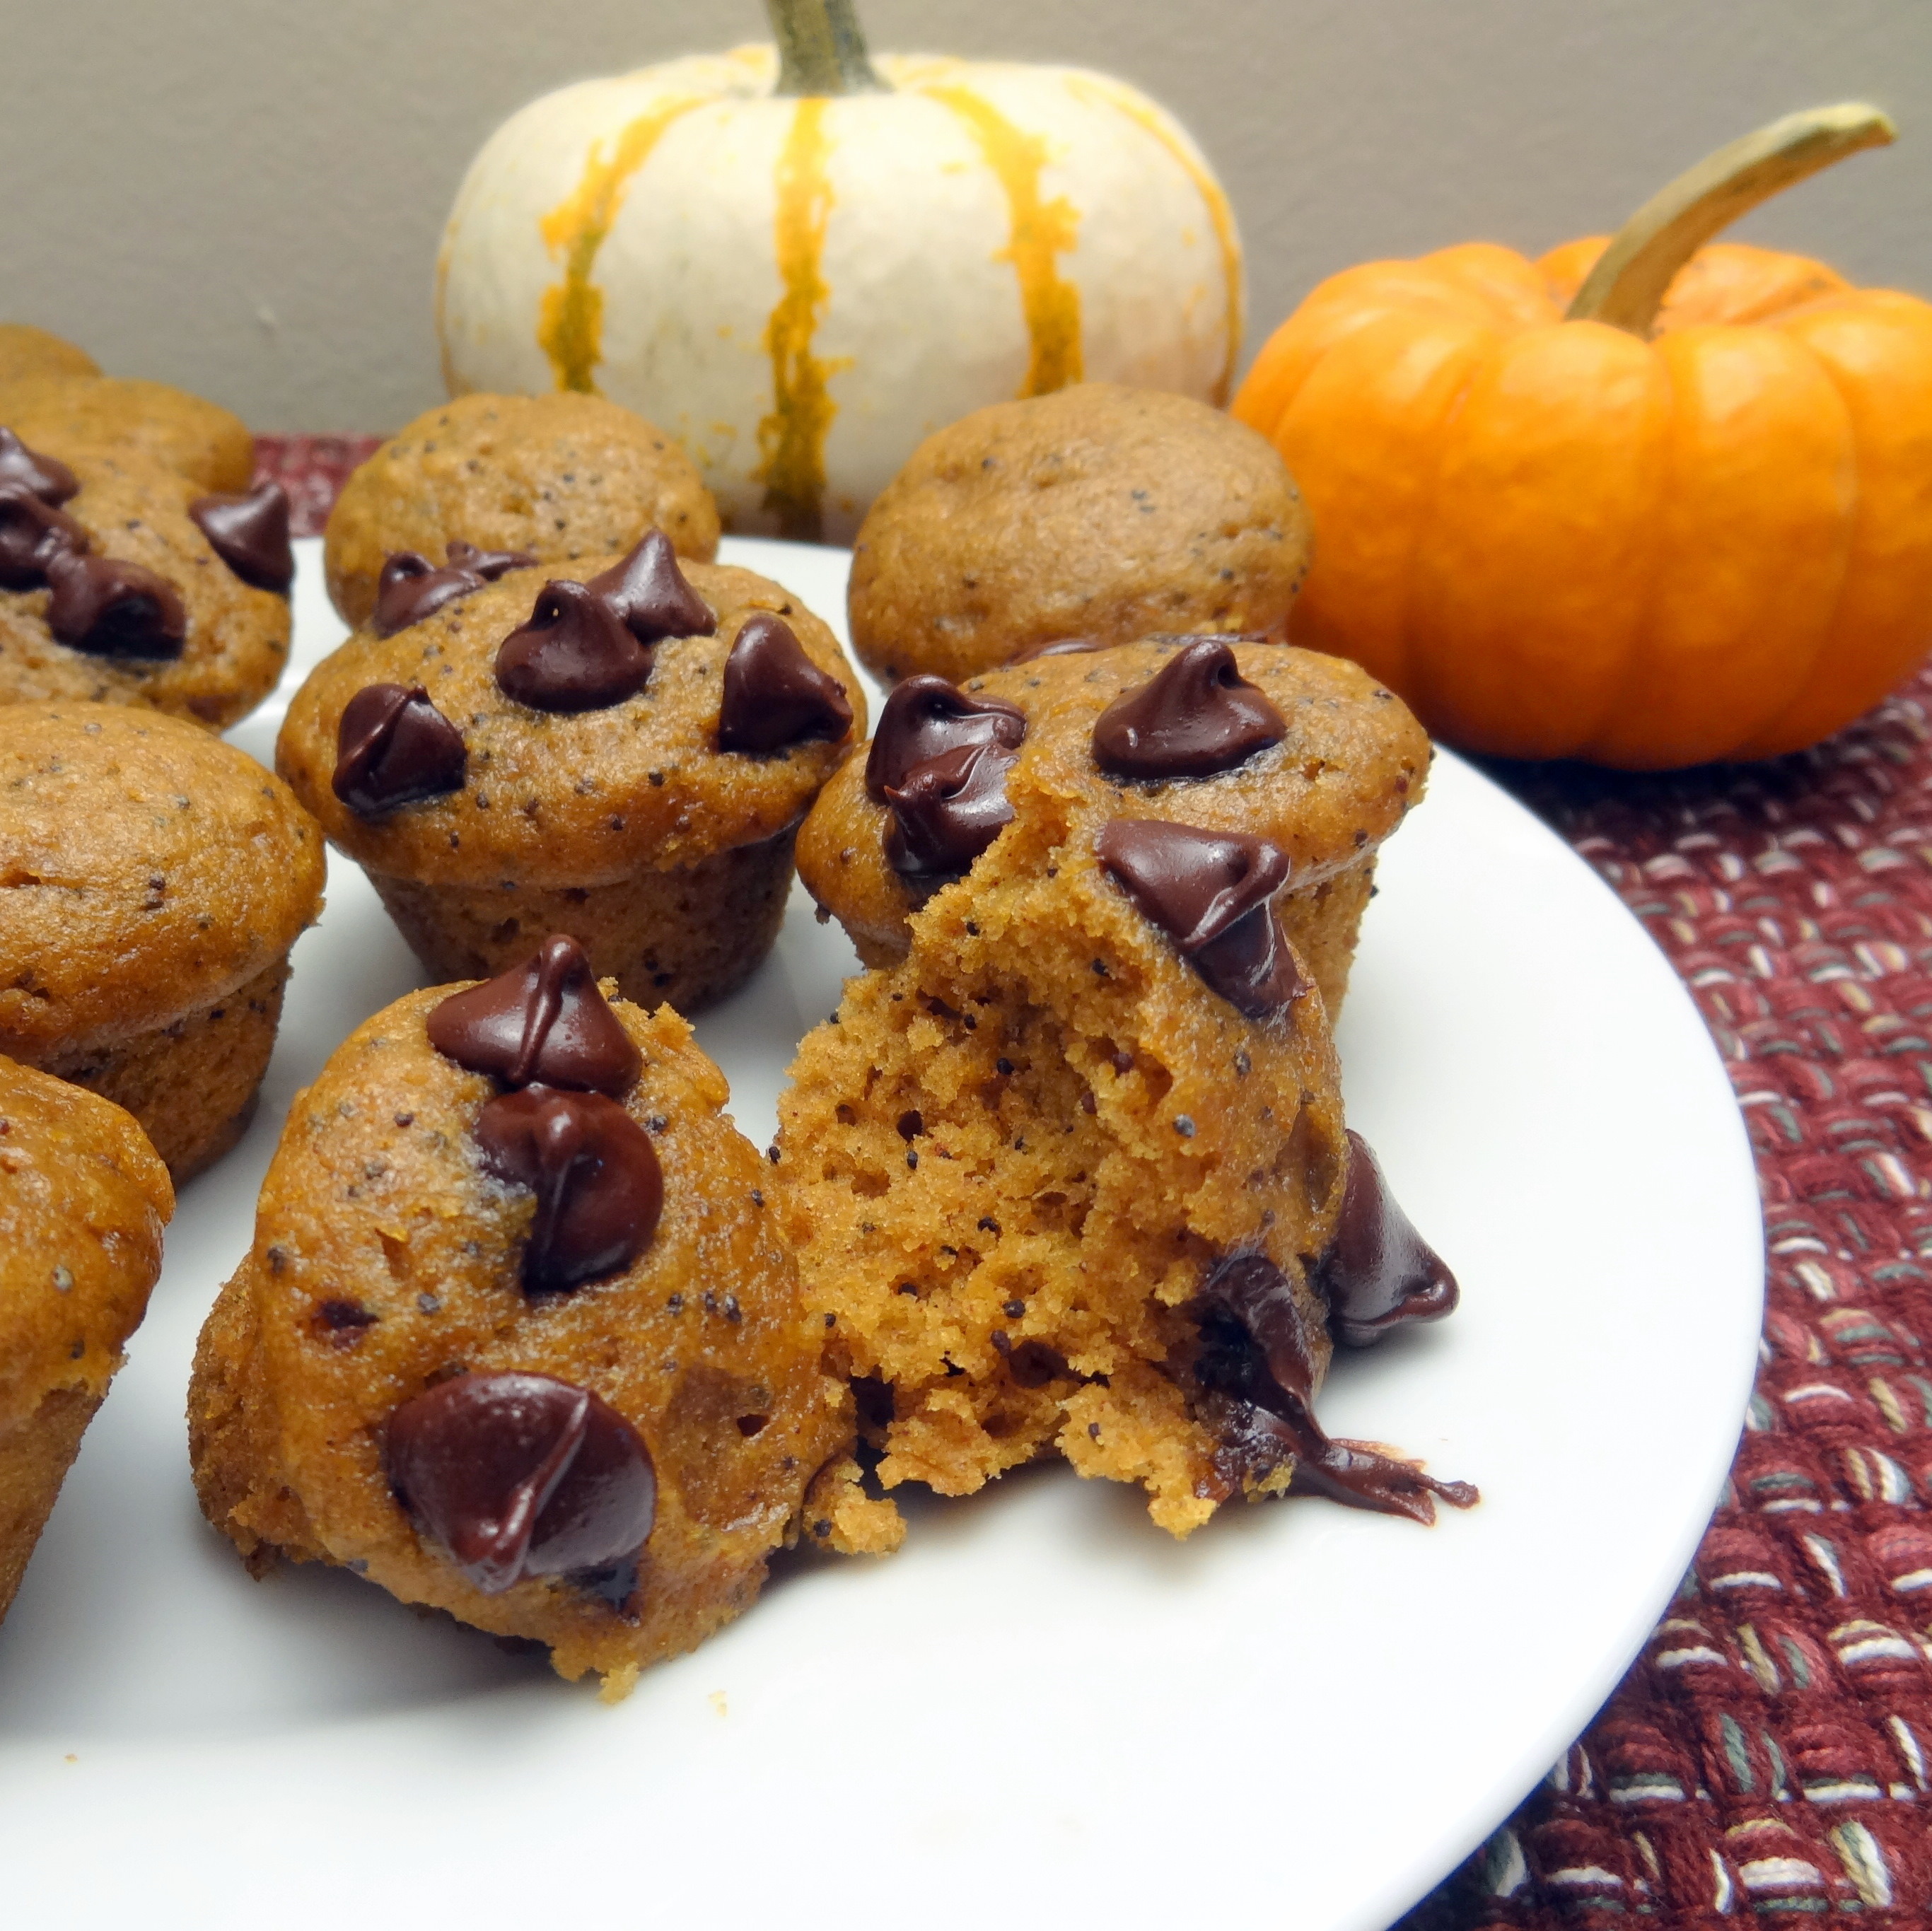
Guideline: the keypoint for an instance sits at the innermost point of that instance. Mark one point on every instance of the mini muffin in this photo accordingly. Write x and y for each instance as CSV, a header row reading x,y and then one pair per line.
x,y
626,761
1095,512
1307,751
519,1337
122,582
82,1202
565,476
1062,1180
195,438
156,878
27,351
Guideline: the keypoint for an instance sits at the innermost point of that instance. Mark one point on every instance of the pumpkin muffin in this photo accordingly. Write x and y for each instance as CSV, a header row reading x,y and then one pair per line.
x,y
625,760
194,438
1096,512
155,879
565,476
519,1336
1062,1180
26,350
122,582
1307,751
82,1202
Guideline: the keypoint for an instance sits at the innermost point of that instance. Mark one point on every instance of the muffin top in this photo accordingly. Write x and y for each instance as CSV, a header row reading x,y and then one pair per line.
x,y
195,438
150,868
563,476
557,797
1097,511
212,656
26,350
83,1199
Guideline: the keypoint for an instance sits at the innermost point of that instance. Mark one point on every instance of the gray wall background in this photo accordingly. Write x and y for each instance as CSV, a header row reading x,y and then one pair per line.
x,y
244,196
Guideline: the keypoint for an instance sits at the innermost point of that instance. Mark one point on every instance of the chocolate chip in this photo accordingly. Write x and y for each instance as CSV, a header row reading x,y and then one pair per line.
x,y
572,655
599,1186
32,533
43,476
488,564
544,1021
774,695
110,608
1196,716
249,533
393,747
1210,891
947,811
519,1475
1378,1273
924,716
648,594
411,588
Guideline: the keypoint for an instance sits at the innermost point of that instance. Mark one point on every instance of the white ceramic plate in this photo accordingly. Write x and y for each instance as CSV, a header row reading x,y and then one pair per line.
x,y
1042,1712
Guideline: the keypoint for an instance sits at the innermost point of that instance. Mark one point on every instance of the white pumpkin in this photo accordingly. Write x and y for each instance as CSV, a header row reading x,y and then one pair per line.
x,y
800,286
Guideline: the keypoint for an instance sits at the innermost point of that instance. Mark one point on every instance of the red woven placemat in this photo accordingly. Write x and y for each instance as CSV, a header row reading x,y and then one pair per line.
x,y
1770,1754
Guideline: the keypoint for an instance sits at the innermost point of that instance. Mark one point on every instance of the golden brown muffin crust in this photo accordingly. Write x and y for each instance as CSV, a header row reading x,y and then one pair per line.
x,y
563,476
194,438
148,869
27,351
1096,511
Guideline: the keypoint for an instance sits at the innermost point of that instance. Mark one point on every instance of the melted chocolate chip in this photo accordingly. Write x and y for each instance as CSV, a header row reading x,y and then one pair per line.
x,y
774,694
595,1175
1256,1351
1378,1272
947,811
109,608
1210,893
519,1475
32,532
543,1021
1060,646
249,533
648,595
924,716
572,655
1197,715
394,747
52,481
488,564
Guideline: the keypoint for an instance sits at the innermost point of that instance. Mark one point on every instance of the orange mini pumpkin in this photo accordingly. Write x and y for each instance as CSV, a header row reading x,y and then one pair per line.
x,y
1689,518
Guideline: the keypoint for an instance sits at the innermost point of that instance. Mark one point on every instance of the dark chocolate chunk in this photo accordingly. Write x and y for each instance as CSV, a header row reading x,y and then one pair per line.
x,y
110,608
572,655
947,811
923,716
249,533
1197,715
43,476
648,595
595,1175
1378,1272
32,532
1060,646
774,694
544,1021
488,564
394,747
1210,891
1256,1350
519,1475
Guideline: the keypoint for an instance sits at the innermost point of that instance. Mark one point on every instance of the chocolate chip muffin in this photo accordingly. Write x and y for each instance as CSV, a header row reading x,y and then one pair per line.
x,y
564,477
626,759
195,439
1095,512
156,878
519,1336
1308,751
27,351
82,1202
1063,1180
121,583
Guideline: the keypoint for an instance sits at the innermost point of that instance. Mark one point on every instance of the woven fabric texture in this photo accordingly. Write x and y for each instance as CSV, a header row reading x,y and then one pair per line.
x,y
1769,1758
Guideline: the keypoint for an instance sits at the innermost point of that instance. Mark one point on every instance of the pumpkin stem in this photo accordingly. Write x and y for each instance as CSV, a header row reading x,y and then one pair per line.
x,y
1627,287
821,49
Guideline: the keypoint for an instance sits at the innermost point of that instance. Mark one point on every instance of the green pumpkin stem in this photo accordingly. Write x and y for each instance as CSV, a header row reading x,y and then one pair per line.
x,y
821,49
1627,287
